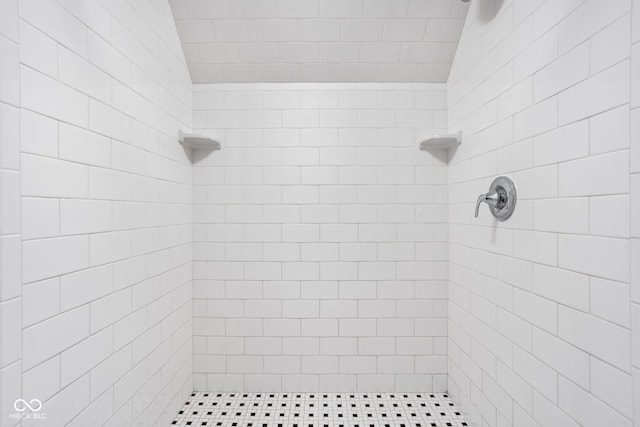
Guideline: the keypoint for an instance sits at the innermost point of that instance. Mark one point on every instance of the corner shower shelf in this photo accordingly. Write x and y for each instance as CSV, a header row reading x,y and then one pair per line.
x,y
446,140
193,140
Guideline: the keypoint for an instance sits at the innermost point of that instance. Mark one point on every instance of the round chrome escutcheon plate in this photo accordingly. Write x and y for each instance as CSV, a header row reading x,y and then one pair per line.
x,y
506,189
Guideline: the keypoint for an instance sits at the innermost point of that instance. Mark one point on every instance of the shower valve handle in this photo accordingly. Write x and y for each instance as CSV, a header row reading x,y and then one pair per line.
x,y
492,198
501,198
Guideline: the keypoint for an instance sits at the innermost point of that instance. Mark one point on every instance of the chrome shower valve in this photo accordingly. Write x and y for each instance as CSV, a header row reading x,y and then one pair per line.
x,y
501,198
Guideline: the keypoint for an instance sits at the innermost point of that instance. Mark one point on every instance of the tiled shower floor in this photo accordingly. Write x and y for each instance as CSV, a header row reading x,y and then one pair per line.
x,y
320,410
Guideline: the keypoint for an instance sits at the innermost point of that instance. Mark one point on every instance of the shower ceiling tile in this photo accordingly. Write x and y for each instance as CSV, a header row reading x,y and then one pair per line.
x,y
229,41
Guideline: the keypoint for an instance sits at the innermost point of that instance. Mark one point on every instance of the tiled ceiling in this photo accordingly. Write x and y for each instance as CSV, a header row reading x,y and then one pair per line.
x,y
228,41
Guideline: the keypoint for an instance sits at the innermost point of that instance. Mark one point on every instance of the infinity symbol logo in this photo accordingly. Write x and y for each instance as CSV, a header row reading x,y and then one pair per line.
x,y
22,405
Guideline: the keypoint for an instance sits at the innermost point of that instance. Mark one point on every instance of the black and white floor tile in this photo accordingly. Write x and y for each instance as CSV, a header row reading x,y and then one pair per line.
x,y
320,410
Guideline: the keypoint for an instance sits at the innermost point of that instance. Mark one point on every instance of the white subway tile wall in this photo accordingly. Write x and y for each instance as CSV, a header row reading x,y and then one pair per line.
x,y
319,250
95,238
249,41
11,292
320,238
539,321
634,215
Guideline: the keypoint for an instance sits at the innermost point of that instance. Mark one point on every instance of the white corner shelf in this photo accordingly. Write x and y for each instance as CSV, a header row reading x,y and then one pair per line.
x,y
193,140
445,140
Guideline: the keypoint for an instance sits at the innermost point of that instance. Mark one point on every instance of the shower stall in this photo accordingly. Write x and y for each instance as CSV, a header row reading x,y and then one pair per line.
x,y
320,212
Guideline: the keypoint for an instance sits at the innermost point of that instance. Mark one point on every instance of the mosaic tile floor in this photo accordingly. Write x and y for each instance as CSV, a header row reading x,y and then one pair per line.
x,y
320,410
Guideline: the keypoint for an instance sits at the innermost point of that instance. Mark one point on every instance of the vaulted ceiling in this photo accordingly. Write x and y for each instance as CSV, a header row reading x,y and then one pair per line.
x,y
319,40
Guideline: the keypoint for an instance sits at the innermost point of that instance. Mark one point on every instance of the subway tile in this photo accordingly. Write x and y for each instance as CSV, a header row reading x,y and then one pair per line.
x,y
10,198
300,156
563,215
99,410
52,19
319,327
47,177
9,21
128,101
109,121
536,246
612,386
85,355
548,16
536,310
598,337
132,381
338,346
584,407
50,337
547,412
405,328
635,83
568,360
609,131
109,184
610,301
604,257
108,58
375,382
44,379
586,20
569,69
300,118
47,258
443,30
109,247
609,216
563,286
332,118
41,94
38,134
75,291
362,30
561,144
536,119
610,46
79,145
282,328
115,309
80,74
579,102
539,375
282,100
44,298
282,364
10,313
635,271
516,386
514,100
515,329
71,400
576,178
84,216
540,53
38,51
